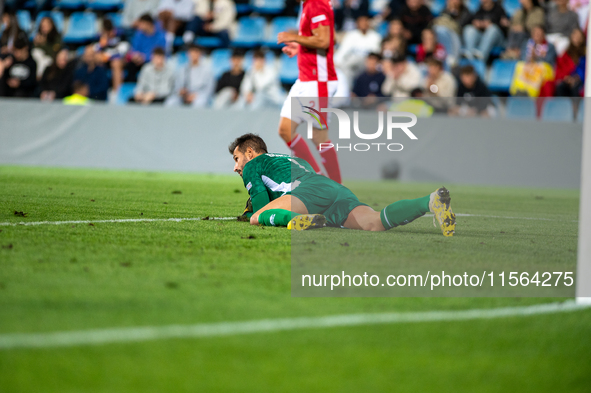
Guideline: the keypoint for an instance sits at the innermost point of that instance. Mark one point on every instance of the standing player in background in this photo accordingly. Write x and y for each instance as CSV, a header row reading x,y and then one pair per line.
x,y
317,81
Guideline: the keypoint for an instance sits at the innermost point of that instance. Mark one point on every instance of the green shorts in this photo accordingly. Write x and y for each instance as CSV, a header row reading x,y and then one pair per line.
x,y
322,195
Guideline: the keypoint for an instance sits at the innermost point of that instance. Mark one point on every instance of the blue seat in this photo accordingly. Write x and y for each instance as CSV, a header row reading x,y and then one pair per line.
x,y
478,66
23,18
581,112
116,18
279,24
242,8
125,93
209,42
288,69
501,75
82,28
382,29
220,61
557,109
180,59
57,16
70,4
510,6
251,32
269,57
268,7
473,5
437,6
520,108
105,5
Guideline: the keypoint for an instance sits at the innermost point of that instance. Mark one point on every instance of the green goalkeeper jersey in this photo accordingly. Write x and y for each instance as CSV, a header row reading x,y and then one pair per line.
x,y
274,175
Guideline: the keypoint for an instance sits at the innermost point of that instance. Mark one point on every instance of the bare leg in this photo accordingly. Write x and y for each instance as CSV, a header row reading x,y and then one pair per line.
x,y
117,70
287,129
364,218
286,202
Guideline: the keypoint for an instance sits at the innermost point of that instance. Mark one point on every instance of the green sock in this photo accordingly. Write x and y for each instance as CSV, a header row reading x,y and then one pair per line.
x,y
276,217
403,212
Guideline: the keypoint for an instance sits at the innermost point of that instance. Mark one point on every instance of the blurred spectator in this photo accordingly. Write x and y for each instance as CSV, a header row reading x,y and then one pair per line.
x,y
368,84
111,51
561,22
346,13
156,80
57,79
194,83
80,95
415,17
439,86
473,95
174,15
355,46
148,37
454,16
394,46
46,43
581,7
228,86
213,20
91,72
393,9
260,86
429,47
134,9
537,48
571,65
12,32
485,30
402,77
523,21
395,28
18,72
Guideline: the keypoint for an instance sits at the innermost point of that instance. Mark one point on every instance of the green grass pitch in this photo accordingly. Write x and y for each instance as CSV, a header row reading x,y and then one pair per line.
x,y
81,276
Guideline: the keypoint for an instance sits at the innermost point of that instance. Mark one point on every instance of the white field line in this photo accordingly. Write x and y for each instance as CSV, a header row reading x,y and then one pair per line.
x,y
148,333
124,220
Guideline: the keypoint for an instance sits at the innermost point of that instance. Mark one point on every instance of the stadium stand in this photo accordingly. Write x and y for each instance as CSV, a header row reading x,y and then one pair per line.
x,y
501,75
251,32
105,5
288,69
520,108
220,61
278,25
82,28
268,7
70,4
57,16
125,93
557,109
24,20
478,65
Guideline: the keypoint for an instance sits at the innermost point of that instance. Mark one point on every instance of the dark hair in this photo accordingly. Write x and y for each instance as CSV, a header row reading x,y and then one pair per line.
x,y
78,85
245,141
398,58
467,70
20,43
147,18
376,56
158,51
434,61
576,52
53,35
238,53
258,54
194,46
108,25
53,70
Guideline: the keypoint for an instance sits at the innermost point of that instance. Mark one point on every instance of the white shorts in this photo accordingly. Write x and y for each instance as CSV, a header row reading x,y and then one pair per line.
x,y
306,94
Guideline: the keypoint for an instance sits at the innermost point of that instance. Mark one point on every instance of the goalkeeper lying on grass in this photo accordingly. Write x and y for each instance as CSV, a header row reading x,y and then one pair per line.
x,y
285,191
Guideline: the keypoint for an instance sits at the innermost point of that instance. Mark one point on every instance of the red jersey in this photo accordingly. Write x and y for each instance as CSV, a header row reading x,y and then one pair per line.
x,y
316,64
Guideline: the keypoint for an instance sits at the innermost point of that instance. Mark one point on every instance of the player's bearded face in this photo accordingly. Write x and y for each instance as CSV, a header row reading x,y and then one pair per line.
x,y
240,159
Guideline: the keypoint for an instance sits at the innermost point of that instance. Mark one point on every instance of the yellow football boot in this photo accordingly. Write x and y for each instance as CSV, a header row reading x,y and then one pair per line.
x,y
306,221
440,206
